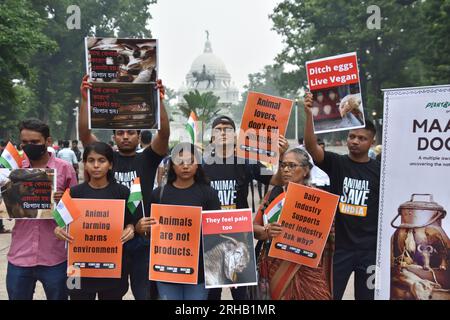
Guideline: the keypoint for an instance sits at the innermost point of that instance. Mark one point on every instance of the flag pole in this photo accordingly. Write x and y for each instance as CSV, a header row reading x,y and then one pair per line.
x,y
65,242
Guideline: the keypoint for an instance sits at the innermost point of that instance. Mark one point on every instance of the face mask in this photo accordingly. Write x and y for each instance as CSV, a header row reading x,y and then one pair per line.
x,y
34,151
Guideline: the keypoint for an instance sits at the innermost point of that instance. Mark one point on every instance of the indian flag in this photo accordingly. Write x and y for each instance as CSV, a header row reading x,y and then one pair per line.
x,y
66,211
10,157
135,195
274,209
192,126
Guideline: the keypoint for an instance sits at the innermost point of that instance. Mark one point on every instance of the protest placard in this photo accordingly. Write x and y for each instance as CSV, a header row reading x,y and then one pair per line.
x,y
123,73
265,118
228,253
97,249
175,243
27,193
337,101
306,220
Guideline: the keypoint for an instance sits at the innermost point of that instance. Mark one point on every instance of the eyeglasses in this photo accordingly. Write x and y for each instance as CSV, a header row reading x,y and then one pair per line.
x,y
289,165
178,162
220,130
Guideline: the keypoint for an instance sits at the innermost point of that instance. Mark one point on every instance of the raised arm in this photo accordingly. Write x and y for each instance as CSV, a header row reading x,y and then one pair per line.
x,y
86,136
160,144
310,139
283,145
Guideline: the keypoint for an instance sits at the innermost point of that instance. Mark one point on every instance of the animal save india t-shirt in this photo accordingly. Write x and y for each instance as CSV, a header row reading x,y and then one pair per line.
x,y
231,180
358,186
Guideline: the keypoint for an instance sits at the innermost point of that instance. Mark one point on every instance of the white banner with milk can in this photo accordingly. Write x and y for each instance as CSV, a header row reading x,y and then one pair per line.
x,y
413,236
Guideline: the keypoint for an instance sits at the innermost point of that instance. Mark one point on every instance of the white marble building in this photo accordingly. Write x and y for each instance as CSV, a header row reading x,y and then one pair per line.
x,y
207,73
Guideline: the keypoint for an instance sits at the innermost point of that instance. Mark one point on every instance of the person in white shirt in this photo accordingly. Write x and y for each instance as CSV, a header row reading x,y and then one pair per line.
x,y
68,155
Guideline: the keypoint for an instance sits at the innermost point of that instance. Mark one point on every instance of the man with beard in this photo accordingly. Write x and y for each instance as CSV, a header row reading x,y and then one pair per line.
x,y
35,253
128,164
355,177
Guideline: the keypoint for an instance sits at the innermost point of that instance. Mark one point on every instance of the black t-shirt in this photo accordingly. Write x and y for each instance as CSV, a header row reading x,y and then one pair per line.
x,y
358,186
231,179
142,165
113,191
197,195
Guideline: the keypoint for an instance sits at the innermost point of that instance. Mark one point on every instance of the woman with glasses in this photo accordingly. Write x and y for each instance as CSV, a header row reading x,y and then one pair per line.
x,y
288,280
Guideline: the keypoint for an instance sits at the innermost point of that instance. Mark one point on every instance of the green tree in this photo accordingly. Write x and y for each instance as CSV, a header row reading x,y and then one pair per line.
x,y
435,50
319,28
205,105
21,36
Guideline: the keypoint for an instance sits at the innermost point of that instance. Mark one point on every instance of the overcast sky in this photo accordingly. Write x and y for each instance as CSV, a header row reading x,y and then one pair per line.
x,y
240,33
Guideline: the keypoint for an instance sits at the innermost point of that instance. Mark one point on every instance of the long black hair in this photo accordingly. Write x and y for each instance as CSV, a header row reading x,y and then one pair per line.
x,y
103,149
199,176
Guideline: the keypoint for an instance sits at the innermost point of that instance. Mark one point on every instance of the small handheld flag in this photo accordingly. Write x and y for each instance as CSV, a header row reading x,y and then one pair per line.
x,y
135,195
66,211
274,209
10,157
192,126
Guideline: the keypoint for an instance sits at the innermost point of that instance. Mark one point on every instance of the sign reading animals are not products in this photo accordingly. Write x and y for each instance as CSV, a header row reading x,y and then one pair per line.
x,y
175,243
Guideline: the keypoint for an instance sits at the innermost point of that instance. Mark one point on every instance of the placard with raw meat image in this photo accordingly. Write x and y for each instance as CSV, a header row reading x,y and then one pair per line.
x,y
27,193
123,73
337,102
228,252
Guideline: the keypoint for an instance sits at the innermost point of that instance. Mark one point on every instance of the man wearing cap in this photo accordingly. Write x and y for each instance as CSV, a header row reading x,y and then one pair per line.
x,y
231,176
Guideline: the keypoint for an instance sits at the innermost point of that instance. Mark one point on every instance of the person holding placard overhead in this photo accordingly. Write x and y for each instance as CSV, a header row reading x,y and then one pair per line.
x,y
100,184
288,280
355,177
128,165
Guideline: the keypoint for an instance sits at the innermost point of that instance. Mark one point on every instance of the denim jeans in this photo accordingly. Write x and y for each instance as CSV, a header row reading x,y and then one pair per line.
x,y
137,255
21,281
176,291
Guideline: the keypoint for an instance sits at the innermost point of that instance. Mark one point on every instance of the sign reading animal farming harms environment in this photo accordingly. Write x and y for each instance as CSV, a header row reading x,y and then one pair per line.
x,y
306,220
337,102
175,243
27,193
97,249
265,117
123,73
228,253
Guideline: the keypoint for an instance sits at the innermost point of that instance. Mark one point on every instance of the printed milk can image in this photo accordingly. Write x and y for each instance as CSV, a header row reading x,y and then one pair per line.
x,y
420,251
